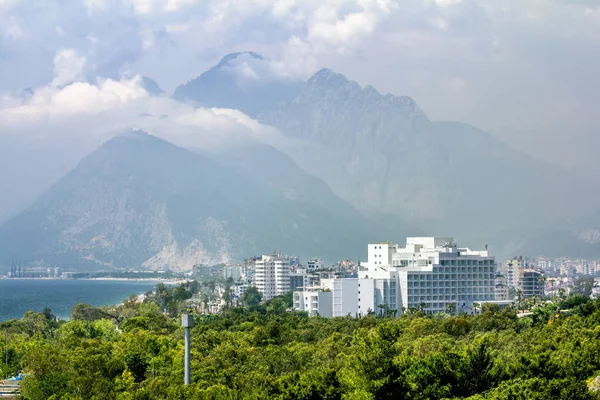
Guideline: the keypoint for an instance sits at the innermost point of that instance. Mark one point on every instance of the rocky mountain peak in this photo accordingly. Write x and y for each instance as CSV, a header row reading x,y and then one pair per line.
x,y
232,56
327,85
151,86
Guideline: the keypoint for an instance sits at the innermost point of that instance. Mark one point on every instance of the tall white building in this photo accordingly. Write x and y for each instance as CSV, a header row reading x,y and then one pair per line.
x,y
428,272
272,276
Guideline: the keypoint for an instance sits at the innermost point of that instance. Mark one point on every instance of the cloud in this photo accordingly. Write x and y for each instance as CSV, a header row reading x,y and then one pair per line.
x,y
69,66
447,3
91,112
524,64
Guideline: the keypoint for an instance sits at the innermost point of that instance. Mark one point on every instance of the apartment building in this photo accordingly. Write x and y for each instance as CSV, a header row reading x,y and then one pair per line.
x,y
531,283
314,302
272,276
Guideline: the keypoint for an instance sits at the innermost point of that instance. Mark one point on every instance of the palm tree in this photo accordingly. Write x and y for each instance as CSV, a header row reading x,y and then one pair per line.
x,y
451,308
519,297
543,280
561,294
476,306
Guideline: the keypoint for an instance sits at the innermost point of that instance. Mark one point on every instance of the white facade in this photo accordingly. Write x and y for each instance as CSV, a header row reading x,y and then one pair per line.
x,y
429,272
272,277
380,295
314,302
345,296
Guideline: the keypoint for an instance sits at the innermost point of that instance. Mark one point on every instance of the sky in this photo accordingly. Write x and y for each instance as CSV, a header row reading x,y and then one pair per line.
x,y
525,71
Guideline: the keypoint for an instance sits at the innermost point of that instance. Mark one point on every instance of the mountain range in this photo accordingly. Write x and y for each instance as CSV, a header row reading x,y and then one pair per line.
x,y
141,201
384,155
359,166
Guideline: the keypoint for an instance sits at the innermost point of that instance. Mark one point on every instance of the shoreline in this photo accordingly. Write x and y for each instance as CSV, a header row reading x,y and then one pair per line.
x,y
62,308
157,280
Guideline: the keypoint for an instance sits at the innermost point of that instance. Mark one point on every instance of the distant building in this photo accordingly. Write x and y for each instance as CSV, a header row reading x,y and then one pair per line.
x,y
232,271
296,281
530,283
272,276
238,290
501,288
314,264
303,280
315,302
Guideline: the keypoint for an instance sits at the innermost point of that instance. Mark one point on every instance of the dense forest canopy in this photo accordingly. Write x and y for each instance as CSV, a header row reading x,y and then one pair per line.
x,y
260,351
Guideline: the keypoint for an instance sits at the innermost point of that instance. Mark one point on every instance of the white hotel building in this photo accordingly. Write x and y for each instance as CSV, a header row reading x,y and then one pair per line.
x,y
429,271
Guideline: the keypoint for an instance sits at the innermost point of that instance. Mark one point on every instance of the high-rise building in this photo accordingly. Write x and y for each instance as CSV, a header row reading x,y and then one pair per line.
x,y
272,277
530,283
428,273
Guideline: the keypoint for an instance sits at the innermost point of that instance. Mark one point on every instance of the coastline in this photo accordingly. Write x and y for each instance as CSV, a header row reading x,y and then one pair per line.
x,y
19,295
154,280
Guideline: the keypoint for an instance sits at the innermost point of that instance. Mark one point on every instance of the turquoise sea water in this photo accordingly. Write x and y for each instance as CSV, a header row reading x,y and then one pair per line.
x,y
18,296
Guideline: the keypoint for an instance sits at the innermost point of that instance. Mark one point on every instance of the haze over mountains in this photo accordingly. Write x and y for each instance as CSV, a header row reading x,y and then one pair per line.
x,y
141,201
383,154
353,166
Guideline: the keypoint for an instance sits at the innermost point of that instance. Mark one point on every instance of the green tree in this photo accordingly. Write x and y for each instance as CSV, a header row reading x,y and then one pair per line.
x,y
583,286
451,308
251,297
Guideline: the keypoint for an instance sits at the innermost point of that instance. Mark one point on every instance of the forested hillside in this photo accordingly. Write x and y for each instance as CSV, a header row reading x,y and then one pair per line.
x,y
262,351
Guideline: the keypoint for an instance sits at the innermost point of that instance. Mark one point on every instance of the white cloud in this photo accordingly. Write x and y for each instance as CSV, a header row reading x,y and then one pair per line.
x,y
518,57
174,5
447,3
95,111
69,66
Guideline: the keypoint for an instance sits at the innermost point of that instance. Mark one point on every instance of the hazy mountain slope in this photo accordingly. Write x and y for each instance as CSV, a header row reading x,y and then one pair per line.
x,y
274,169
268,166
139,200
29,165
232,84
575,237
348,128
383,154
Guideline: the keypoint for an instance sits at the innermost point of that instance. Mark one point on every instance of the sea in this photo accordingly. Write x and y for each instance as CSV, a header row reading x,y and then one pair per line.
x,y
18,296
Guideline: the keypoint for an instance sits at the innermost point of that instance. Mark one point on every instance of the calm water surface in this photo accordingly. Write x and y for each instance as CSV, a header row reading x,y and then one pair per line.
x,y
18,296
